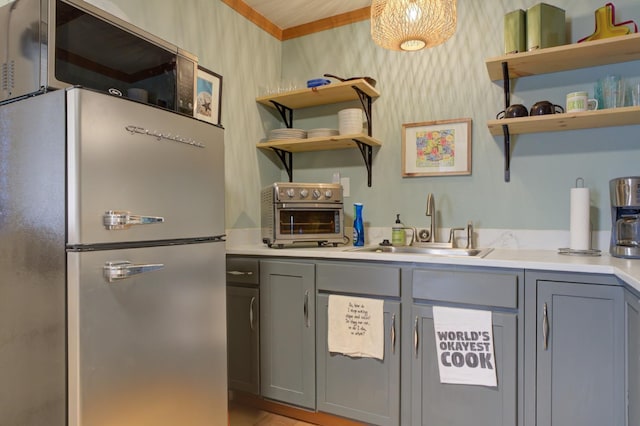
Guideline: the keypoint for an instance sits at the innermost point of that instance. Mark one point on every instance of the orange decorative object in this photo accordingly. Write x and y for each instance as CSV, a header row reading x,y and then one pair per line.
x,y
606,26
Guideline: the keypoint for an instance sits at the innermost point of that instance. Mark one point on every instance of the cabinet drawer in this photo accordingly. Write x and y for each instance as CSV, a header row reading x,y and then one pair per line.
x,y
358,278
475,288
243,271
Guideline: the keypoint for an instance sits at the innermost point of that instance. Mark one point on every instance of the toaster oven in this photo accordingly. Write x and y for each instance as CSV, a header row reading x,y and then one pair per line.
x,y
302,213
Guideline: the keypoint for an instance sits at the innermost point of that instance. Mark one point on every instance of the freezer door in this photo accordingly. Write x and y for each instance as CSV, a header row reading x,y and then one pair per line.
x,y
139,173
147,339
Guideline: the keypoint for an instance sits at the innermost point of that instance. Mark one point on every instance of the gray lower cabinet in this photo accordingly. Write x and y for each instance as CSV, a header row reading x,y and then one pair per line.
x,y
442,404
243,325
632,316
287,332
585,342
363,389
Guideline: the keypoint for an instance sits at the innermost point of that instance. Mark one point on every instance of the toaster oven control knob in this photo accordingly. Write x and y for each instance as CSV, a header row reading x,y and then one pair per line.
x,y
328,194
304,193
291,192
316,194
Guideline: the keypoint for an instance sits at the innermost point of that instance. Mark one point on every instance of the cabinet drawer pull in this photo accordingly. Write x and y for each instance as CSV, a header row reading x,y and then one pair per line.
x,y
415,336
545,327
393,333
306,309
237,273
252,324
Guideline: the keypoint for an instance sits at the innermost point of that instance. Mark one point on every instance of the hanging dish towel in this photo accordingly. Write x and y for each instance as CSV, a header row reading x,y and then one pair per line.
x,y
356,326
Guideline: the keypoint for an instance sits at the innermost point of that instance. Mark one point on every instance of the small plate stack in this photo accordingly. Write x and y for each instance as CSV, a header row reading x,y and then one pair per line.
x,y
278,134
350,121
321,133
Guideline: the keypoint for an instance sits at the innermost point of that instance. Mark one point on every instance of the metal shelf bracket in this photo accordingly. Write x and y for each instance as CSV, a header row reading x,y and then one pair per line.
x,y
365,100
367,155
505,128
285,112
287,161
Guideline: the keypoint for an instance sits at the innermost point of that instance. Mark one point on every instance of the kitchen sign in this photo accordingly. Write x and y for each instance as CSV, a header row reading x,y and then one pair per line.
x,y
464,345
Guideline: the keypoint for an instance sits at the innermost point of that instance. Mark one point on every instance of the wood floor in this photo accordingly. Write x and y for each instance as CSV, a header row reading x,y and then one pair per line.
x,y
244,415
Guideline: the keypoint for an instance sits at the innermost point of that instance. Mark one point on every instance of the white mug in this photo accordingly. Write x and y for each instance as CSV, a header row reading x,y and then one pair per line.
x,y
579,101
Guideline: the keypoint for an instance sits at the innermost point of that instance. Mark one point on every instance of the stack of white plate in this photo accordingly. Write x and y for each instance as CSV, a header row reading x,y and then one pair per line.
x,y
321,133
350,121
278,134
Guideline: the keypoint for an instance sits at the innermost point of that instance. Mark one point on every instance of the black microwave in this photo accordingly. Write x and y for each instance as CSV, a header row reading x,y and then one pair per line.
x,y
53,44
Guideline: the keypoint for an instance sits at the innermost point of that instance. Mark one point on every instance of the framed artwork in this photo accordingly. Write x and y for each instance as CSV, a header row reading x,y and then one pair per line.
x,y
208,95
436,148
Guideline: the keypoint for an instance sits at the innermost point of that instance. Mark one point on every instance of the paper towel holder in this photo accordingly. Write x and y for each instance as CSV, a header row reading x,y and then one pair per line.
x,y
586,252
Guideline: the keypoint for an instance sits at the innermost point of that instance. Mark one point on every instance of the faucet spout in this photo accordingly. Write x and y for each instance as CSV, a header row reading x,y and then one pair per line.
x,y
431,212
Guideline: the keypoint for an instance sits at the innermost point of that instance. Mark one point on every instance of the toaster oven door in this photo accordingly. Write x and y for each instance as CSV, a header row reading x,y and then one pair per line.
x,y
309,222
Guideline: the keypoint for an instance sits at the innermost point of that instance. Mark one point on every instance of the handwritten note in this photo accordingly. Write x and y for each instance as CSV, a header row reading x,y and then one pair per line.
x,y
357,318
355,326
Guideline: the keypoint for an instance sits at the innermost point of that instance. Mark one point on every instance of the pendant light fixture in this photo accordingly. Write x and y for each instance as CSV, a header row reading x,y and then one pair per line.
x,y
412,24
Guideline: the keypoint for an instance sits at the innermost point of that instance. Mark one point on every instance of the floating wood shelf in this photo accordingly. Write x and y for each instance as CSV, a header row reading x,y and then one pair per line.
x,y
568,121
568,57
322,95
285,103
320,143
561,58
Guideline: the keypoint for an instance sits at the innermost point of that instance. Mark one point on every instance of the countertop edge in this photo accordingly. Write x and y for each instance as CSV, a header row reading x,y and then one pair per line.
x,y
627,270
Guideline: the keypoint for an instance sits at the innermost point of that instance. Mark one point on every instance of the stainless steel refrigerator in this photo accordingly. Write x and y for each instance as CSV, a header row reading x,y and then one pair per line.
x,y
112,296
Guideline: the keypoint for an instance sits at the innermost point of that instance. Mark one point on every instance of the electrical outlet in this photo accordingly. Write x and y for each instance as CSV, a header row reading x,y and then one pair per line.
x,y
345,186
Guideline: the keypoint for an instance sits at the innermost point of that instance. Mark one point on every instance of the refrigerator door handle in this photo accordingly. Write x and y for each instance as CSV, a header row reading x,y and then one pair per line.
x,y
120,270
120,219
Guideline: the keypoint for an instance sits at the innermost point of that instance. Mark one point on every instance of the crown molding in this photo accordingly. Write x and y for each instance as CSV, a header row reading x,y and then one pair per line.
x,y
300,30
327,23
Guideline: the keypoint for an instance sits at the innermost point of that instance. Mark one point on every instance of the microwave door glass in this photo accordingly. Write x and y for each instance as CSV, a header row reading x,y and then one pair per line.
x,y
309,222
96,54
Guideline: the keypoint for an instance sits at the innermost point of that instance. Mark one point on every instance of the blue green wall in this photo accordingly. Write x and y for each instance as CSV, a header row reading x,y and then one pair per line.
x,y
446,82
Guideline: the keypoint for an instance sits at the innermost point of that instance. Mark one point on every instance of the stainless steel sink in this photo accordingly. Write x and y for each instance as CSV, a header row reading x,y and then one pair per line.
x,y
430,251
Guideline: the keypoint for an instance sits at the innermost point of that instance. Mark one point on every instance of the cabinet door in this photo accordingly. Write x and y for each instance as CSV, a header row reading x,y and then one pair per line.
x,y
364,389
580,355
243,338
442,404
287,332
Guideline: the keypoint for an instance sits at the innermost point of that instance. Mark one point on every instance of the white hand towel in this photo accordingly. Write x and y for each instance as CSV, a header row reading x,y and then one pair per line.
x,y
356,326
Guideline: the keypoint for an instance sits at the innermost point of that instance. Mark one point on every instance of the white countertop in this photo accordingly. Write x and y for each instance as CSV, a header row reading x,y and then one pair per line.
x,y
627,270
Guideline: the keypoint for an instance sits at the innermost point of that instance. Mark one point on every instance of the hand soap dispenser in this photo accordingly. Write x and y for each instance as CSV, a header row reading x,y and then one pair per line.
x,y
398,235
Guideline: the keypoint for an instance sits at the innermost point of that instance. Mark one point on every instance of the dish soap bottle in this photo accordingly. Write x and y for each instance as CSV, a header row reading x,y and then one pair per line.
x,y
358,225
398,235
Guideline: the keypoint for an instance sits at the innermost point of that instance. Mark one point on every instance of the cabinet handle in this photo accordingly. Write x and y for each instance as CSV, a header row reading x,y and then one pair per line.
x,y
306,309
236,273
393,333
251,314
415,336
545,327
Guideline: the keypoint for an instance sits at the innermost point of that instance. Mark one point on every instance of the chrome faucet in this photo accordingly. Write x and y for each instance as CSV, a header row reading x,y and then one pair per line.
x,y
431,212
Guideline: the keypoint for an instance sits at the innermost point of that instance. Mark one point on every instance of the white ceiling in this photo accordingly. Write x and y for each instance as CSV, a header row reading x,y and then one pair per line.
x,y
290,13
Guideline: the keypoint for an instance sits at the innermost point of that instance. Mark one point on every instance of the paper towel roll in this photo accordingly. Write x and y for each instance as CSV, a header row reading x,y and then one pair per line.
x,y
580,226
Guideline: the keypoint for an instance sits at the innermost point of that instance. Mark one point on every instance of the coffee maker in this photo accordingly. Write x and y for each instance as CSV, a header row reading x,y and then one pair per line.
x,y
625,217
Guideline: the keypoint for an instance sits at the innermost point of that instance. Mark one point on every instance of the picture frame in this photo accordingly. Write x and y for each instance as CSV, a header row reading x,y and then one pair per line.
x,y
436,148
208,96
